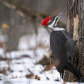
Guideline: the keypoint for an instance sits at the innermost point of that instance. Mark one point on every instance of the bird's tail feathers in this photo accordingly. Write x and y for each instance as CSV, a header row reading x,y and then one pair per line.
x,y
72,69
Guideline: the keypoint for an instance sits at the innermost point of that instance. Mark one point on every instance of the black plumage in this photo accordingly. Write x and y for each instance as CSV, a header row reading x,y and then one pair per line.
x,y
62,47
57,44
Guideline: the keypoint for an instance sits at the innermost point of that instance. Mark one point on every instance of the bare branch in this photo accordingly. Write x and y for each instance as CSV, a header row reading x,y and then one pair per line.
x,y
22,10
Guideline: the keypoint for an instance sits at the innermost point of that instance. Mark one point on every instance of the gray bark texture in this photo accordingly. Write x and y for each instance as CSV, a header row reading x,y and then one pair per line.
x,y
75,24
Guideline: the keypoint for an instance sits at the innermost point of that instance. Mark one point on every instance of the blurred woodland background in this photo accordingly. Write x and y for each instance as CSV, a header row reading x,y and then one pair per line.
x,y
21,35
18,17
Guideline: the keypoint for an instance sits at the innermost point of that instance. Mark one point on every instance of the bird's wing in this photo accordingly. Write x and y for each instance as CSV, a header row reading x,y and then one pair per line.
x,y
58,48
69,45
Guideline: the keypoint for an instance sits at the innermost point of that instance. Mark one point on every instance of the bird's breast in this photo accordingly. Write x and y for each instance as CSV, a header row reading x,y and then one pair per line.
x,y
57,41
57,45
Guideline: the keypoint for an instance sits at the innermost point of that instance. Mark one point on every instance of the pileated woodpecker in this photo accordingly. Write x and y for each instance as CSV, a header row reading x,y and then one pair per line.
x,y
62,46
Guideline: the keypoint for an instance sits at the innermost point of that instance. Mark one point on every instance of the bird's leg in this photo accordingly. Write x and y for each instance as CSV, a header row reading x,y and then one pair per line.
x,y
61,75
80,37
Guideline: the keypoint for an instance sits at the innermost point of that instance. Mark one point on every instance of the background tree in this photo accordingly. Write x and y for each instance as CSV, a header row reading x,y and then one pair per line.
x,y
75,24
24,16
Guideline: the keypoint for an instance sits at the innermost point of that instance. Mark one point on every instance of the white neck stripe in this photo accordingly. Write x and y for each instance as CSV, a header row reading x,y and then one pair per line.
x,y
57,29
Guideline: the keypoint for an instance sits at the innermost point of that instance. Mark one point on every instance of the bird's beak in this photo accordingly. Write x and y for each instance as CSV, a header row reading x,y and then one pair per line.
x,y
61,14
58,16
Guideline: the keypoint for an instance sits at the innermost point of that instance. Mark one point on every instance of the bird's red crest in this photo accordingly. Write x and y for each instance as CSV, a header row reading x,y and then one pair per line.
x,y
44,21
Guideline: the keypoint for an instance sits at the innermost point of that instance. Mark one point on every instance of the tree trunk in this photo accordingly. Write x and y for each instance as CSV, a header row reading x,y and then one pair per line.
x,y
75,24
17,26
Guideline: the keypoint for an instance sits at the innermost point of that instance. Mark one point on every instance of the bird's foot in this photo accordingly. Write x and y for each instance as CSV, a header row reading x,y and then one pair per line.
x,y
57,79
81,37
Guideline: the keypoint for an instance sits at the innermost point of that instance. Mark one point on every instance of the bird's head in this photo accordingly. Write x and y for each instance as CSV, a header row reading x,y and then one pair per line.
x,y
51,22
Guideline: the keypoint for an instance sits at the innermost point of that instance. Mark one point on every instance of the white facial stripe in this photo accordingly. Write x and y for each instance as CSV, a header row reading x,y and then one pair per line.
x,y
50,26
53,27
57,29
53,23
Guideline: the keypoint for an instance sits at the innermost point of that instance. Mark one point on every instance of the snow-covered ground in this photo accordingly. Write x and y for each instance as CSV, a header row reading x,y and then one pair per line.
x,y
18,68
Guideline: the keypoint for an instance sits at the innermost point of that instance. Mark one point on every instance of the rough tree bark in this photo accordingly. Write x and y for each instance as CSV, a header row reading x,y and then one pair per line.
x,y
75,24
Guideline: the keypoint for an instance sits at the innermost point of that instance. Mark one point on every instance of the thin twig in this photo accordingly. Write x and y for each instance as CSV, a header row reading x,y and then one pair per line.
x,y
44,74
51,69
